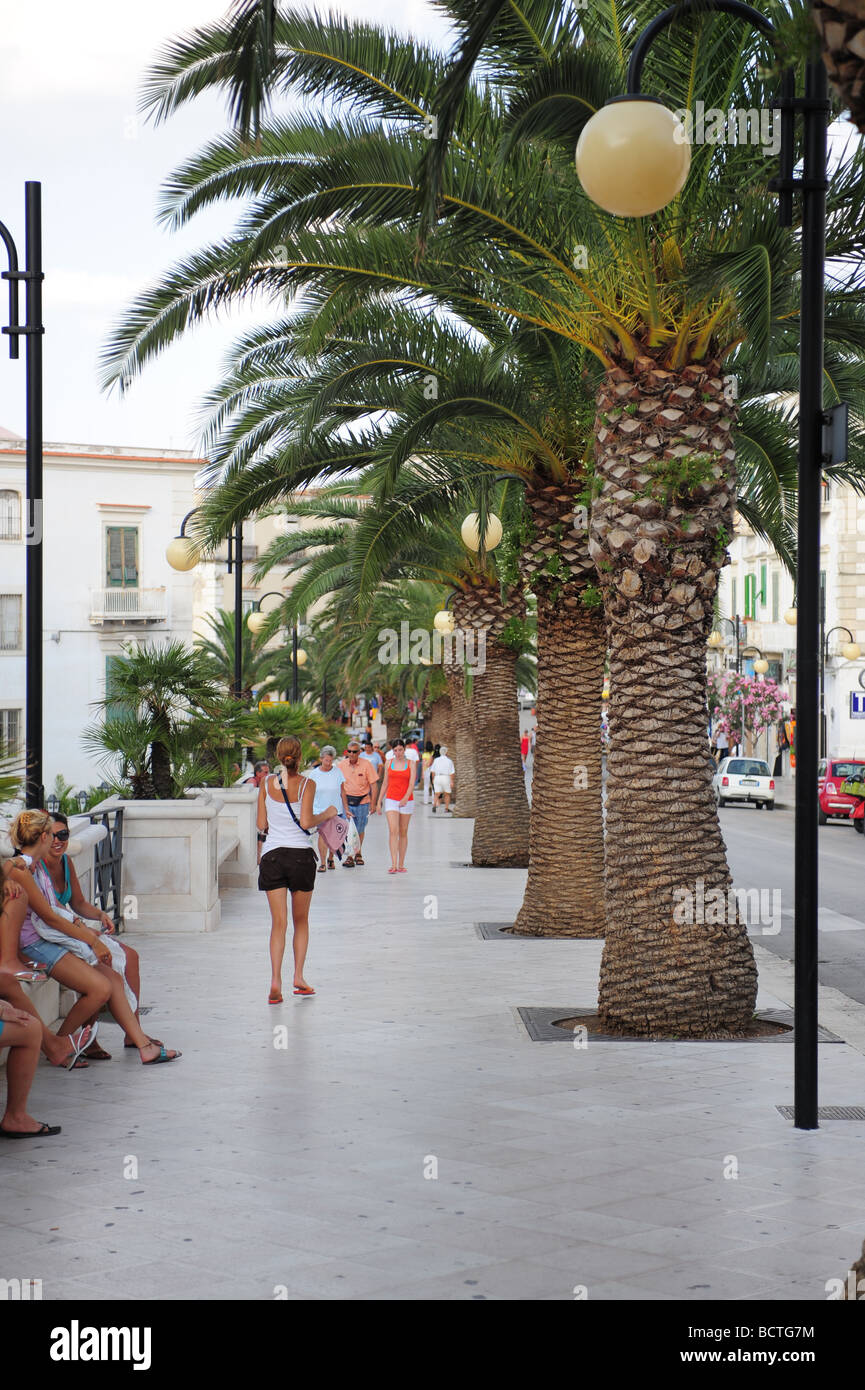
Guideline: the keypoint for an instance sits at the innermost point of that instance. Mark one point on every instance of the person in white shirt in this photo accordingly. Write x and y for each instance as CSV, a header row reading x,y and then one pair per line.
x,y
442,771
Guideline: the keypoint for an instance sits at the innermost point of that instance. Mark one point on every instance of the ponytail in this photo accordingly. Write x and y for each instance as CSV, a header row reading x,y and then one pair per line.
x,y
289,753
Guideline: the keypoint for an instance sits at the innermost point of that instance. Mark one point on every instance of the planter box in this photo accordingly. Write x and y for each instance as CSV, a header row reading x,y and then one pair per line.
x,y
236,838
171,861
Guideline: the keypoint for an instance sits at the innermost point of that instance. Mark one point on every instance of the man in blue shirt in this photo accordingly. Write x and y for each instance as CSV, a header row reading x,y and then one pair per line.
x,y
371,753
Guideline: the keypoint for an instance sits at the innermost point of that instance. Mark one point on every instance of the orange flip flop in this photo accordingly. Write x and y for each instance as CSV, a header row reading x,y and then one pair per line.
x,y
300,989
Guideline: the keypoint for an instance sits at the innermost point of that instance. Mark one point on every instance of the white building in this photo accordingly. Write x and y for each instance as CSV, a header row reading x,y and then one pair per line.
x,y
108,515
757,588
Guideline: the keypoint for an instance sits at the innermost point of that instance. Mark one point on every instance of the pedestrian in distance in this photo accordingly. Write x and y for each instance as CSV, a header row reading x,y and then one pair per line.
x,y
329,791
361,790
427,763
285,815
397,801
442,771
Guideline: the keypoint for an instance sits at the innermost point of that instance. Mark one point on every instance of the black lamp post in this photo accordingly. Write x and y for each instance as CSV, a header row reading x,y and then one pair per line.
x,y
257,620
649,128
182,554
32,331
737,627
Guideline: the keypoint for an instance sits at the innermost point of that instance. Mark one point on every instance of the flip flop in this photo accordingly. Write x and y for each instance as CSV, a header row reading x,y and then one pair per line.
x,y
80,1039
275,998
163,1057
94,1053
29,1133
402,871
392,871
299,989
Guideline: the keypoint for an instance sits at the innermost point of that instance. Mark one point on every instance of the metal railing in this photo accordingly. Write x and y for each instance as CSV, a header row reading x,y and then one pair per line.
x,y
128,605
108,864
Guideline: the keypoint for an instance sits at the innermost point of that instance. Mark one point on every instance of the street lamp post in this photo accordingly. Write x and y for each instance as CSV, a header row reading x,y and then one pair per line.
x,y
182,554
738,629
32,330
631,152
257,620
851,651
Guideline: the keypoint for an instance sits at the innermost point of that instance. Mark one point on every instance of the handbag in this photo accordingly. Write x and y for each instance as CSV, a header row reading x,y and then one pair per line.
x,y
334,831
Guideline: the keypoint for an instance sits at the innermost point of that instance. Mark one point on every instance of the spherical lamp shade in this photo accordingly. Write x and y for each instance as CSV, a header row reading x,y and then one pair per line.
x,y
851,651
633,157
761,666
471,535
443,621
256,620
791,616
715,639
301,657
181,554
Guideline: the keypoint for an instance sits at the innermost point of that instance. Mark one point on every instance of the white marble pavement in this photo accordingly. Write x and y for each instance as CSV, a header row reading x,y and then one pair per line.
x,y
249,1170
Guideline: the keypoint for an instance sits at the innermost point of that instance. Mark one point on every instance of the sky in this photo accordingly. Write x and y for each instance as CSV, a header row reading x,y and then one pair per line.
x,y
70,80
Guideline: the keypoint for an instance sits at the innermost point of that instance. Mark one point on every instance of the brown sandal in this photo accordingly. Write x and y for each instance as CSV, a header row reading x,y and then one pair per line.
x,y
95,1053
358,859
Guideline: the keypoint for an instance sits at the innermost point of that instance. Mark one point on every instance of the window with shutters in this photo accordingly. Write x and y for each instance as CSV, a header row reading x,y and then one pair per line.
x,y
776,595
11,613
750,596
10,732
121,546
10,515
114,708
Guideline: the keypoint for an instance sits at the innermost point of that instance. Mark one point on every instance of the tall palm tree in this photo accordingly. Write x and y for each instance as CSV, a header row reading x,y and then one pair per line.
x,y
705,276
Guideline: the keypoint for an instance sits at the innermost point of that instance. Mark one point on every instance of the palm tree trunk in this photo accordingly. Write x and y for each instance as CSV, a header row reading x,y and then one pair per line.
x,y
464,740
501,837
440,722
842,39
160,766
677,958
565,888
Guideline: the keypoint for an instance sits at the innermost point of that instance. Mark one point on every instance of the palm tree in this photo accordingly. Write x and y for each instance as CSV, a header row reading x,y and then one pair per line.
x,y
501,248
218,653
157,687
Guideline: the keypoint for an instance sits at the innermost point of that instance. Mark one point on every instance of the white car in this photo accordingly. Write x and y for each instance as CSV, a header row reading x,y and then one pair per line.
x,y
744,779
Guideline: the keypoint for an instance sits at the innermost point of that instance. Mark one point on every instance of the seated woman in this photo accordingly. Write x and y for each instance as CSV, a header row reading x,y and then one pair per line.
x,y
61,1051
20,1033
97,984
67,887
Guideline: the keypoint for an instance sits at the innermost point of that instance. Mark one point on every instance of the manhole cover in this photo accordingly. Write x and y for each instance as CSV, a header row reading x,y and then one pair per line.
x,y
828,1112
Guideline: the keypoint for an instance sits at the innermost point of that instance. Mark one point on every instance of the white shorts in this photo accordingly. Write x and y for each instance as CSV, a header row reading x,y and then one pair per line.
x,y
442,782
391,804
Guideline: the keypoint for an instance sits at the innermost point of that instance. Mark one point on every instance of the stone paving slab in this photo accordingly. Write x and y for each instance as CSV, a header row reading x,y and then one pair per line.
x,y
405,1140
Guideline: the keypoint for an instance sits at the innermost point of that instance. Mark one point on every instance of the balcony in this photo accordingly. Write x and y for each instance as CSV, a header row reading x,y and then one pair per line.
x,y
128,606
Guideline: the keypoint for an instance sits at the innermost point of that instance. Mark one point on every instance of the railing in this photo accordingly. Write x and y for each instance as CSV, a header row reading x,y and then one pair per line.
x,y
108,864
128,605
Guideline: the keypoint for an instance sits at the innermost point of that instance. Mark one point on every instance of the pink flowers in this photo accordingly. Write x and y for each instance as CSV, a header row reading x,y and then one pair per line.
x,y
737,700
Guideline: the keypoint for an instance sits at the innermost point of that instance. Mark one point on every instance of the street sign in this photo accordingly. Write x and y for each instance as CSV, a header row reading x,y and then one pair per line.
x,y
857,704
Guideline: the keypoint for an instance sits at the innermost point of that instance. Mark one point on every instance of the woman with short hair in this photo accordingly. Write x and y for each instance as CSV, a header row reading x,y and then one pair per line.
x,y
329,791
285,815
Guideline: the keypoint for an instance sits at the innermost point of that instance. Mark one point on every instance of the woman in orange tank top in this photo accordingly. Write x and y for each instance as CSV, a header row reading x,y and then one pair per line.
x,y
397,802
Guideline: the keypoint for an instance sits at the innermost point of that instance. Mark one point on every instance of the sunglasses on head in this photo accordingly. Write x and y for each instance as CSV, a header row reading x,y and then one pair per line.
x,y
60,834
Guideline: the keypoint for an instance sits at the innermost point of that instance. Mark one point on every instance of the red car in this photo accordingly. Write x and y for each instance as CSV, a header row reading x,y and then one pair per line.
x,y
833,803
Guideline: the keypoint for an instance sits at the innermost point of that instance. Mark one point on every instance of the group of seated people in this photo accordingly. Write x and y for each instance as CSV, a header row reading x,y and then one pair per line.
x,y
47,928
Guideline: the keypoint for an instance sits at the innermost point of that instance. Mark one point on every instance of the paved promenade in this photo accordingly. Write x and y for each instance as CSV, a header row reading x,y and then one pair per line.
x,y
402,1138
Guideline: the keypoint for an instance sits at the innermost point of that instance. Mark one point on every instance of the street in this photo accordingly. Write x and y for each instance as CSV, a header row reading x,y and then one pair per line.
x,y
760,854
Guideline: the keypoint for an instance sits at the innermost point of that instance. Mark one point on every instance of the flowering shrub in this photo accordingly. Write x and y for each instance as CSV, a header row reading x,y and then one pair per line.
x,y
732,695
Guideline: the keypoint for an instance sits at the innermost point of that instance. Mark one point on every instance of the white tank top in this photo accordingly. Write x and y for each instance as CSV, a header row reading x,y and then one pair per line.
x,y
282,832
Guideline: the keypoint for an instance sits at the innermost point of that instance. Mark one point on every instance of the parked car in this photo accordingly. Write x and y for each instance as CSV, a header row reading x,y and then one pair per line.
x,y
744,779
835,804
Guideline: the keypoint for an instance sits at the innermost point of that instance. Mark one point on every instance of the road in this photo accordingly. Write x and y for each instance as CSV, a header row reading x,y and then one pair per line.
x,y
760,854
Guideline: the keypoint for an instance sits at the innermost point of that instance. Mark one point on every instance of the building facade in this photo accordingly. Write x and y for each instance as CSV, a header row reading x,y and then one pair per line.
x,y
756,588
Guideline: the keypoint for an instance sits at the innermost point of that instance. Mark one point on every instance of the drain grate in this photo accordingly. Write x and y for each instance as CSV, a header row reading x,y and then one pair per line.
x,y
828,1112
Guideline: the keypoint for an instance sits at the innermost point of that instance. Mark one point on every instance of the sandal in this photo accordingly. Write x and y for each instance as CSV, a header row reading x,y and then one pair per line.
x,y
80,1039
94,1053
29,1133
322,869
275,997
303,989
330,863
164,1056
158,1042
358,859
348,863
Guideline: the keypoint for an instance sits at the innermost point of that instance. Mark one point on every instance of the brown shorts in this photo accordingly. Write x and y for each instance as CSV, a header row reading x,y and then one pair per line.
x,y
293,869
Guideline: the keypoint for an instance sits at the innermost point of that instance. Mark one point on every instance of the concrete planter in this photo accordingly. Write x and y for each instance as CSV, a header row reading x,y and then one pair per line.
x,y
237,843
171,861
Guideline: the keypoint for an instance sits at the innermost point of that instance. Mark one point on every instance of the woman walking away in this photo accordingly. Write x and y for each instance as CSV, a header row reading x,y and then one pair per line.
x,y
285,815
397,799
329,791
